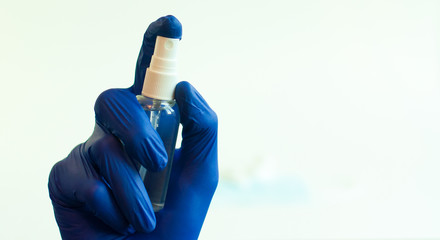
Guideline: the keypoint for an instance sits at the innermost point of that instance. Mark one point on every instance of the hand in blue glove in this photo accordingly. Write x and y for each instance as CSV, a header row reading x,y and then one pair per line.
x,y
97,192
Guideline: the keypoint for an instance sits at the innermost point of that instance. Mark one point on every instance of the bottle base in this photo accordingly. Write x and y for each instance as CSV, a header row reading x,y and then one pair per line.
x,y
157,206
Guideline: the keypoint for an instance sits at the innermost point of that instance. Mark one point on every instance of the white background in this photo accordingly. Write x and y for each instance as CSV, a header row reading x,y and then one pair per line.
x,y
329,110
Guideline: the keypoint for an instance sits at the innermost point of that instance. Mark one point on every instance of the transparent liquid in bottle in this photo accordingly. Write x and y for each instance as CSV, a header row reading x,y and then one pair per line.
x,y
164,117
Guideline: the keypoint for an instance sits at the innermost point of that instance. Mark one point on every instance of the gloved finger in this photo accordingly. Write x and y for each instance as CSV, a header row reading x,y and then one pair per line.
x,y
167,26
123,178
118,112
99,200
199,133
73,183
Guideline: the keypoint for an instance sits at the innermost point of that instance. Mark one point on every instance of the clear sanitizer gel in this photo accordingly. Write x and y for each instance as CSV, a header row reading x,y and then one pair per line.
x,y
157,100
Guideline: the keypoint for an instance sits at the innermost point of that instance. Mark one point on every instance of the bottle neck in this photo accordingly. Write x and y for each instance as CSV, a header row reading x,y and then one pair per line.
x,y
152,104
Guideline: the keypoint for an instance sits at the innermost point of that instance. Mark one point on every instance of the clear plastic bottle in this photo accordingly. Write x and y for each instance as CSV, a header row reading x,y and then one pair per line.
x,y
165,120
157,100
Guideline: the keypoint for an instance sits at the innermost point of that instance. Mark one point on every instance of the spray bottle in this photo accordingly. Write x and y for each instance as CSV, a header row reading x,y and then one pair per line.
x,y
157,100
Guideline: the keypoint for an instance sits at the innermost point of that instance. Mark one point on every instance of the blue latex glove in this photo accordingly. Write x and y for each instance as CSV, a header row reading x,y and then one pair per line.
x,y
97,192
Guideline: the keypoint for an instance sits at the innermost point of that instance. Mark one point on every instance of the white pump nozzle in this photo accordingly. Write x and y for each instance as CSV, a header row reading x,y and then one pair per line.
x,y
161,77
